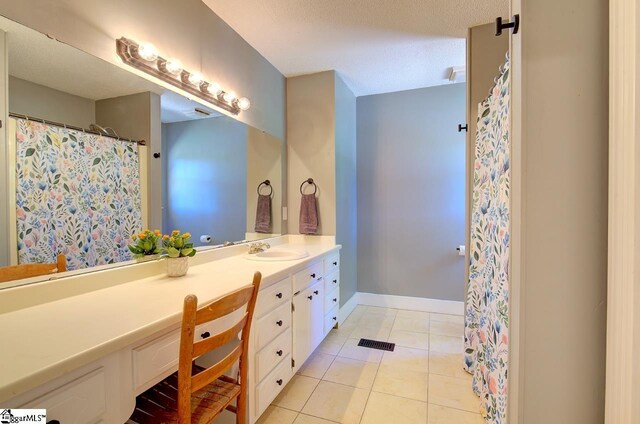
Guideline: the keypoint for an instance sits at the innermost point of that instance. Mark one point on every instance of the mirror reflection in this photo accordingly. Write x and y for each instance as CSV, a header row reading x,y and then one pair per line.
x,y
98,154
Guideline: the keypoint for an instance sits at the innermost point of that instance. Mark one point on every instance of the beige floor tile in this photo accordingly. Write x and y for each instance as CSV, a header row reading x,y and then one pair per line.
x,y
386,409
401,382
353,351
308,419
377,320
410,339
296,393
411,324
453,393
407,358
444,328
418,315
446,344
373,332
447,318
336,402
377,310
317,364
449,364
352,372
332,343
276,415
442,415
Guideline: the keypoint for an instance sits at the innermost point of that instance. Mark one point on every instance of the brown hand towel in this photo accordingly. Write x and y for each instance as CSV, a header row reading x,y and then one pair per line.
x,y
308,214
263,214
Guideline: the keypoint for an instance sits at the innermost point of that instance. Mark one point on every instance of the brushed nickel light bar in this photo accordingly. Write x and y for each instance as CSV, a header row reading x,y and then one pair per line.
x,y
145,57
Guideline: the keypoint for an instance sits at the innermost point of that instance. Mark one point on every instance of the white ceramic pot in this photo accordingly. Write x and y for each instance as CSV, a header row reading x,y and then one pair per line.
x,y
177,267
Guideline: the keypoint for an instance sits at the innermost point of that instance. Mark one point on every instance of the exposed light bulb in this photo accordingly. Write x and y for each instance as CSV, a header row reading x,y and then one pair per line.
x,y
173,66
195,78
214,89
148,52
244,103
229,97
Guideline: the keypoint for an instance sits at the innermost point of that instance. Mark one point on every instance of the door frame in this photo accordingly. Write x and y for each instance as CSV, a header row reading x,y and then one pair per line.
x,y
622,389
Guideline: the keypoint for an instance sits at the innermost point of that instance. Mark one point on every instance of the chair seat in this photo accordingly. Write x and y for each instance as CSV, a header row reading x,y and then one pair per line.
x,y
159,404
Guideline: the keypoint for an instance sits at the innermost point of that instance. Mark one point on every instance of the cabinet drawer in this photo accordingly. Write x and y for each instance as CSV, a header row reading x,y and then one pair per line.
x,y
273,296
331,319
80,401
273,383
332,263
331,281
272,324
155,360
271,355
307,276
331,300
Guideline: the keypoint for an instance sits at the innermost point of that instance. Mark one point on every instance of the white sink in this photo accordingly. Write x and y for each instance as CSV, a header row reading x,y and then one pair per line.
x,y
278,255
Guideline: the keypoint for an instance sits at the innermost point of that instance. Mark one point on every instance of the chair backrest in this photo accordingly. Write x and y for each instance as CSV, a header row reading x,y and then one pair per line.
x,y
189,350
17,272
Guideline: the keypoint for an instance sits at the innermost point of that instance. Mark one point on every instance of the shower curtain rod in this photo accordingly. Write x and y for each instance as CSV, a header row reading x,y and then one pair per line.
x,y
58,124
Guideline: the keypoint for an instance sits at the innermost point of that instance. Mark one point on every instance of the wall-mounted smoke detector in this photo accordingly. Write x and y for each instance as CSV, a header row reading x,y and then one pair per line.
x,y
458,74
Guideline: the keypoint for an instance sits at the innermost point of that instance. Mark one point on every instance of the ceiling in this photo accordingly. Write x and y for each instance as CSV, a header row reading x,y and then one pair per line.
x,y
377,46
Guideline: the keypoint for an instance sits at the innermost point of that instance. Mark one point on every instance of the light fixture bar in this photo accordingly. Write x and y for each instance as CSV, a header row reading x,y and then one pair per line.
x,y
145,58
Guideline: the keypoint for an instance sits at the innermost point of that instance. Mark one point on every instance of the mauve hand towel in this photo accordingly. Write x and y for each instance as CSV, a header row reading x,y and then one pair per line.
x,y
263,214
308,214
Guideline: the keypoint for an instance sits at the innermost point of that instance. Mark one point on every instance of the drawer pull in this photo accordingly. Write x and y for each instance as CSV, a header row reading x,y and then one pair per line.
x,y
279,381
279,353
315,292
335,281
313,275
205,335
335,299
335,264
335,318
279,295
279,323
310,297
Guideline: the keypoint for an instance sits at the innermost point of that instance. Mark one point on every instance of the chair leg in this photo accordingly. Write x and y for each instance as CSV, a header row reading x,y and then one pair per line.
x,y
241,409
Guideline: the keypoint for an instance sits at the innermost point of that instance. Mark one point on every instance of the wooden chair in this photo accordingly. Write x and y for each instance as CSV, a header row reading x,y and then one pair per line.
x,y
195,394
17,272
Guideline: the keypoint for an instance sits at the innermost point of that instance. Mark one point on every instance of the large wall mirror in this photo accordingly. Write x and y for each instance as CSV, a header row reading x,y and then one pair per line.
x,y
96,153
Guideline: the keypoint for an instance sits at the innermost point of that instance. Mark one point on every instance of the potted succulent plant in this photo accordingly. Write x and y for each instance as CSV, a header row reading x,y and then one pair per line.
x,y
145,244
179,250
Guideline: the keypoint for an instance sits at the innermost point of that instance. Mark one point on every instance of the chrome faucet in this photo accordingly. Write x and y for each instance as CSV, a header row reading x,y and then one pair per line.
x,y
258,247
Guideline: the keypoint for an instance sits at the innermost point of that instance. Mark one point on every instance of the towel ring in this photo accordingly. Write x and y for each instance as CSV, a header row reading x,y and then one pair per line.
x,y
310,182
268,184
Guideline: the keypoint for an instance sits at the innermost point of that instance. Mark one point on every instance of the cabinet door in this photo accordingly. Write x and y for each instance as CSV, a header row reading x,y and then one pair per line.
x,y
317,315
308,324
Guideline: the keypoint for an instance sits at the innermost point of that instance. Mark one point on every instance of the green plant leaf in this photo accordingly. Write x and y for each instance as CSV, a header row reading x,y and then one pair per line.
x,y
30,151
96,161
186,252
173,252
192,254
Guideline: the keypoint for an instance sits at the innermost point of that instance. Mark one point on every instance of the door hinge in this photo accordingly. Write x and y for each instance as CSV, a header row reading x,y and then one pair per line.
x,y
293,307
293,363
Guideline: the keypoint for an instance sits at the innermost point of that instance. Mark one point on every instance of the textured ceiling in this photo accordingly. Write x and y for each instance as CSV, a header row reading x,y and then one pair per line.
x,y
377,46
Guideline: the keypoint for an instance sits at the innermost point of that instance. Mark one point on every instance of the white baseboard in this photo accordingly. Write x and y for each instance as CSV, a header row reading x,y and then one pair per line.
x,y
410,303
347,308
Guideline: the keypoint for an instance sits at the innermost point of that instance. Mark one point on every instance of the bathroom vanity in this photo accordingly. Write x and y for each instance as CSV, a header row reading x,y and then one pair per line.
x,y
86,356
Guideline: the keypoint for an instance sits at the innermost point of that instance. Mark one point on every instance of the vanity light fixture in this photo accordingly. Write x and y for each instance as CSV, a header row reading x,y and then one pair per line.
x,y
145,57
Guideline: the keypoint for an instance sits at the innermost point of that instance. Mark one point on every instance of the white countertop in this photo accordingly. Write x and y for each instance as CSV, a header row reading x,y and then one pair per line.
x,y
46,341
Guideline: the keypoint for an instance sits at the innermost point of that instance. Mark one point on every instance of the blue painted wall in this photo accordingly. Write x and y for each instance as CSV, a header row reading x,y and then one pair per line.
x,y
204,181
411,192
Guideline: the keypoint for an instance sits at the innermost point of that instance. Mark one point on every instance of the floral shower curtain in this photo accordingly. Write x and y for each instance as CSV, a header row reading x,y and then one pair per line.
x,y
77,194
487,307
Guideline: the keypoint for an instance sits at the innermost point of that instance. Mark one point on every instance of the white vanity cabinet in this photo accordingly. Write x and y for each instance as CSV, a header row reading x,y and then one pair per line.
x,y
292,317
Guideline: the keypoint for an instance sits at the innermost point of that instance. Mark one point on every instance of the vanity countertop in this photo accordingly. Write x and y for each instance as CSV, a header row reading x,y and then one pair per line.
x,y
43,342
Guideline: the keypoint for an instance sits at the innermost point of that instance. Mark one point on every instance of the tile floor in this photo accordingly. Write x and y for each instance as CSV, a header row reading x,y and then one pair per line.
x,y
422,381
